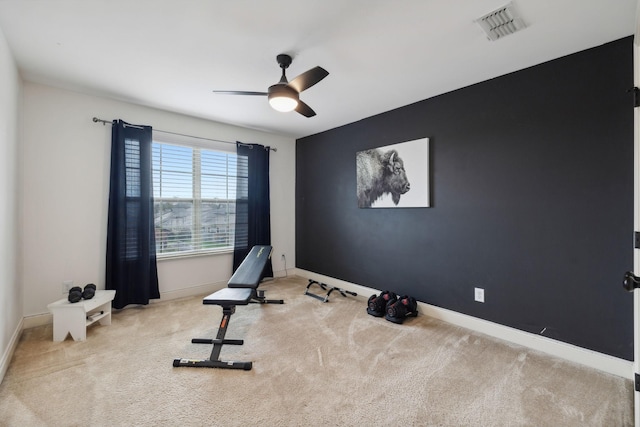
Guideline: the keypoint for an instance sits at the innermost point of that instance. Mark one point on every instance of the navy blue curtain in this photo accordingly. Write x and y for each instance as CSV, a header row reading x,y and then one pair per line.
x,y
253,208
131,243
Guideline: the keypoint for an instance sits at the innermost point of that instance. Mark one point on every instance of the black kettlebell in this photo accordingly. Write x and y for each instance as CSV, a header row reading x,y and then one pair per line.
x,y
89,291
75,294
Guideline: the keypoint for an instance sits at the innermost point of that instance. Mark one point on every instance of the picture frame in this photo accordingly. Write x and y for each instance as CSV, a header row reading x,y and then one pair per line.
x,y
394,176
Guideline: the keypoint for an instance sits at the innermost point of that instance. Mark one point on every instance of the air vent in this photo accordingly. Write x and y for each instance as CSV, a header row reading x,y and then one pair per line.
x,y
501,22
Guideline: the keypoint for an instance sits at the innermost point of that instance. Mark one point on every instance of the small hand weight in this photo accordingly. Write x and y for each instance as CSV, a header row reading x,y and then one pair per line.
x,y
75,294
89,291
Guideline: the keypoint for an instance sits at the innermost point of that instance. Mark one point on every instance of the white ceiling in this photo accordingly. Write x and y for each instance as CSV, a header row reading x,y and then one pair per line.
x,y
381,54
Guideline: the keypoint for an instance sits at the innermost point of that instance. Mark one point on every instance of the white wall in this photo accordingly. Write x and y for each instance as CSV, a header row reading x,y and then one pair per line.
x,y
65,190
10,289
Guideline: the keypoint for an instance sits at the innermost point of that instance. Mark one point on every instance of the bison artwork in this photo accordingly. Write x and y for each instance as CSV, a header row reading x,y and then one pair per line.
x,y
380,172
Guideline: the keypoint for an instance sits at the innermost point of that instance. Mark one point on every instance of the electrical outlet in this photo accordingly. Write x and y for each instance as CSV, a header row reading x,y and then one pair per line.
x,y
479,294
282,257
66,286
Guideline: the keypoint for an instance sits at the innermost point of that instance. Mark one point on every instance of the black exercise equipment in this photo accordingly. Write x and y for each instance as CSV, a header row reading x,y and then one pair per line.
x,y
75,294
404,307
242,290
325,287
92,316
377,305
631,281
249,274
228,298
89,291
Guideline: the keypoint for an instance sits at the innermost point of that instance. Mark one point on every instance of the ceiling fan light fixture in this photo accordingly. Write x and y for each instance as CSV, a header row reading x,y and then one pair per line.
x,y
283,98
283,104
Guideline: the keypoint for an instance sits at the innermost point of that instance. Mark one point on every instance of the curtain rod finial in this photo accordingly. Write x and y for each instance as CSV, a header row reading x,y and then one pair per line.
x,y
96,120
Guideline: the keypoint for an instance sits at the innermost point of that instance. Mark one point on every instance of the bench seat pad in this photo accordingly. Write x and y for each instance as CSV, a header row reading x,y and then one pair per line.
x,y
229,297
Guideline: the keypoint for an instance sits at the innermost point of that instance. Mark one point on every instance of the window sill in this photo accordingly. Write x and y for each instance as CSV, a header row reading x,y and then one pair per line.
x,y
180,255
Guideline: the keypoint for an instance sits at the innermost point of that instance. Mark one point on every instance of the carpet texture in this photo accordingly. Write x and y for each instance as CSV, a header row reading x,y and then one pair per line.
x,y
314,364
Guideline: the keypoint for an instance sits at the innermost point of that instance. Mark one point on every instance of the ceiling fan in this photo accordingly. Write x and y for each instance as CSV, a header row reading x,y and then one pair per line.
x,y
285,96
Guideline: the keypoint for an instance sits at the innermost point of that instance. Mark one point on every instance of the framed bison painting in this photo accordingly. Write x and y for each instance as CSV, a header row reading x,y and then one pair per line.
x,y
394,176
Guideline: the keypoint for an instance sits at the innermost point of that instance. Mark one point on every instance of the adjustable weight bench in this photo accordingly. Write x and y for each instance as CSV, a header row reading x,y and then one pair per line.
x,y
242,289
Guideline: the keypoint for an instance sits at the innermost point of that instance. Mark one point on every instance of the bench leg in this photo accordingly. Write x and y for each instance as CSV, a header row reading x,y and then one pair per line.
x,y
71,320
212,364
257,297
214,359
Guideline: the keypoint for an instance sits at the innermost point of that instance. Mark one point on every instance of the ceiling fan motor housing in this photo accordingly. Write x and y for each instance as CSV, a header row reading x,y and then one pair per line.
x,y
285,90
284,60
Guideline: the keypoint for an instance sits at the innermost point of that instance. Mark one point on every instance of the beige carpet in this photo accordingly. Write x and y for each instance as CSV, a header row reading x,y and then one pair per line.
x,y
314,364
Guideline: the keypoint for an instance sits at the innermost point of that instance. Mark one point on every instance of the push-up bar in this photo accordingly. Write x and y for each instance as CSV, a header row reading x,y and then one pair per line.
x,y
325,287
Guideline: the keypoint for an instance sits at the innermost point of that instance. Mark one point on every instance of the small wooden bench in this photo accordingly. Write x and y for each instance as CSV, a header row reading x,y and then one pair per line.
x,y
73,318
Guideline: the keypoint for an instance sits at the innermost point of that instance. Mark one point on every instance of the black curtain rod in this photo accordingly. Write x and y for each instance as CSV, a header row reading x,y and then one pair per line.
x,y
104,122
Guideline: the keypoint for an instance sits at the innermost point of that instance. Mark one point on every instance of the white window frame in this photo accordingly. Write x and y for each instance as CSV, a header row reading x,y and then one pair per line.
x,y
196,211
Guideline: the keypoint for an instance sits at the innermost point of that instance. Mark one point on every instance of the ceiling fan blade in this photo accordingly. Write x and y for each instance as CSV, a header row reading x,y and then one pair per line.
x,y
305,110
238,92
308,78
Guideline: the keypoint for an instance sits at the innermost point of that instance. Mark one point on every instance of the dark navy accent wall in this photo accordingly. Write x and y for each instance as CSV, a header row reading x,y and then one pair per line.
x,y
531,194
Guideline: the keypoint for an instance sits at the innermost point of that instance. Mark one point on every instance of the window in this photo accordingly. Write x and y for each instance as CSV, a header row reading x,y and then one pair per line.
x,y
194,199
132,196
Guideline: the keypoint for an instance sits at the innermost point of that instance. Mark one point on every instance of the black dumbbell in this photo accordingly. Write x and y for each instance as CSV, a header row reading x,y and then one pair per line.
x,y
75,294
89,291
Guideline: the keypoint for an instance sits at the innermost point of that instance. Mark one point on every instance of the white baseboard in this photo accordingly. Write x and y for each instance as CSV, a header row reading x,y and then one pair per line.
x,y
590,358
37,320
11,348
